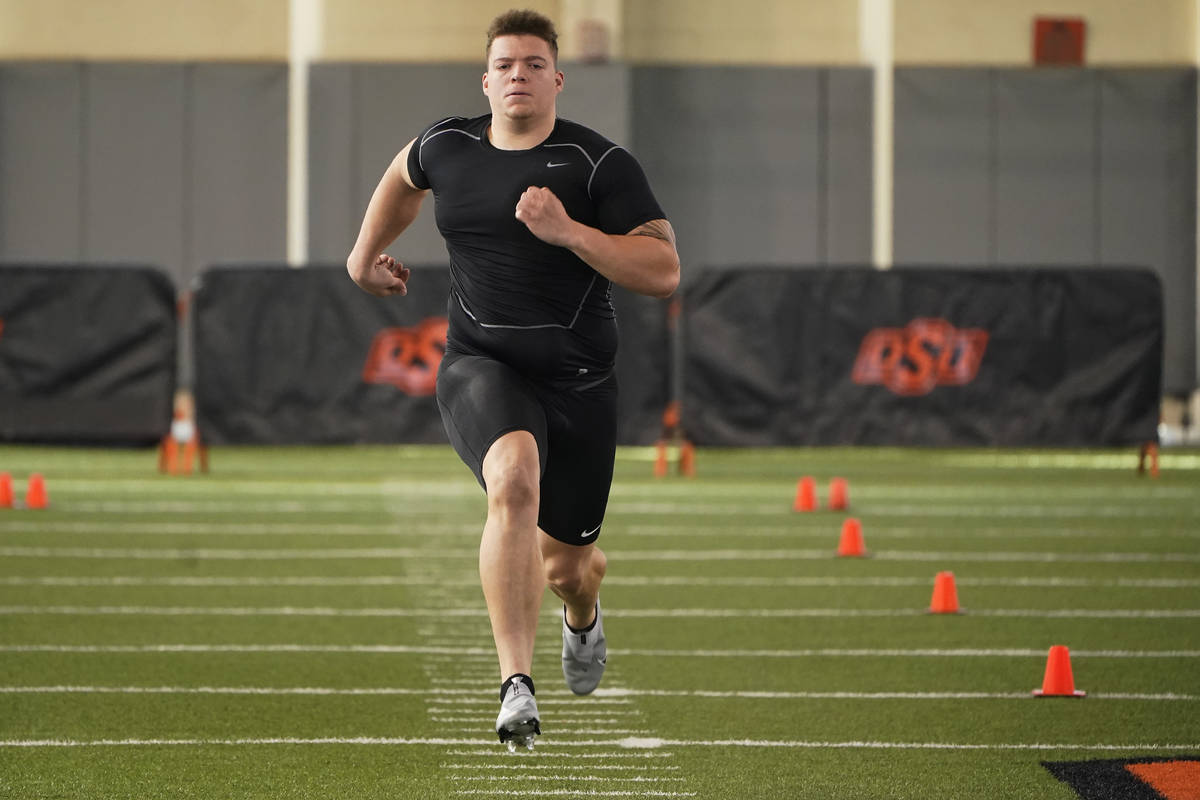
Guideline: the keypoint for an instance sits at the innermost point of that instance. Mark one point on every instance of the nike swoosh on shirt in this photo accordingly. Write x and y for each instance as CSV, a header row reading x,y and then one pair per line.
x,y
560,164
586,534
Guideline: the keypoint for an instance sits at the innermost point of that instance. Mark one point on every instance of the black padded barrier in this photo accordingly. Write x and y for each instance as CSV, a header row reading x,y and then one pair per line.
x,y
87,355
912,356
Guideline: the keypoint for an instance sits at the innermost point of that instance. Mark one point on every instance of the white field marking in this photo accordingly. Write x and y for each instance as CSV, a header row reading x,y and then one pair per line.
x,y
585,778
632,743
612,580
390,527
819,528
452,705
1117,461
230,581
410,489
869,745
896,653
406,650
415,504
645,613
973,510
566,767
599,729
788,528
748,695
284,488
559,719
997,492
228,554
543,755
599,697
571,793
385,505
282,554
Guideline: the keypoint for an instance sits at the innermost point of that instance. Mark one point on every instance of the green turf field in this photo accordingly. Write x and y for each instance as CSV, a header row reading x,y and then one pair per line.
x,y
307,623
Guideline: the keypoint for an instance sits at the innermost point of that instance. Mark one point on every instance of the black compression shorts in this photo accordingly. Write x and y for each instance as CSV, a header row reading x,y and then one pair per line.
x,y
575,427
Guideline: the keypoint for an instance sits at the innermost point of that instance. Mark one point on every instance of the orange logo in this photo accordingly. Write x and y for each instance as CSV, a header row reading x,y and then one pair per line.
x,y
925,353
408,358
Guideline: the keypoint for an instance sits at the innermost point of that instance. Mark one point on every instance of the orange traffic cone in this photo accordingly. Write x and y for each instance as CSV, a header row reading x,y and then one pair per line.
x,y
35,492
838,495
1058,682
945,596
660,460
168,455
687,459
851,544
6,492
806,495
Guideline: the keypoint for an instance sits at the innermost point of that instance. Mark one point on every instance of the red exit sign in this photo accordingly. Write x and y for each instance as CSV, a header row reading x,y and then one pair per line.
x,y
1058,40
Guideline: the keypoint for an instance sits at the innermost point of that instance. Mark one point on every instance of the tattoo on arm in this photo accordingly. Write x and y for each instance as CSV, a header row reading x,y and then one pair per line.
x,y
656,229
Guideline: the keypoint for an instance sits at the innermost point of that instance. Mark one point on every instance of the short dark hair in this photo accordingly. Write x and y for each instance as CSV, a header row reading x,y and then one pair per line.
x,y
523,22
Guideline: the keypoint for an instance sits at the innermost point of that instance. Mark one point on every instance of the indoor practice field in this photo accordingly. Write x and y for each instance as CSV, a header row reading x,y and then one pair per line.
x,y
308,623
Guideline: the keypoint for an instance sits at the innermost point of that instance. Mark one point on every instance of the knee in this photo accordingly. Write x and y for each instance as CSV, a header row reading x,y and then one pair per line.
x,y
566,577
512,490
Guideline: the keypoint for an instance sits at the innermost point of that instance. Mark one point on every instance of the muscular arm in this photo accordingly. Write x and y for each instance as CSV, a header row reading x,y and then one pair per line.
x,y
393,207
644,260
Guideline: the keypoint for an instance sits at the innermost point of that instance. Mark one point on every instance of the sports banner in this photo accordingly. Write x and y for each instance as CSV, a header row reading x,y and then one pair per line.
x,y
87,354
923,356
304,356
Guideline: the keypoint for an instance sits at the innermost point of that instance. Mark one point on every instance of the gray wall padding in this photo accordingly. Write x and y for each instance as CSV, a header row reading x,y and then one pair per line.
x,y
1010,167
135,164
176,165
42,130
237,139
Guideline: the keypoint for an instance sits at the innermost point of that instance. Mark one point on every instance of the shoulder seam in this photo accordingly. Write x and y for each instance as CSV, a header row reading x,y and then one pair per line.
x,y
433,132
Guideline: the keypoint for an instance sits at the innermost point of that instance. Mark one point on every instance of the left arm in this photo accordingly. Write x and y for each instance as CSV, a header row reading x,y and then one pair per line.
x,y
644,260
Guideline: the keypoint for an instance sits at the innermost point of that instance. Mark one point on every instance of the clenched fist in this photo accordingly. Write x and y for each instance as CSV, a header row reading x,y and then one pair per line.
x,y
544,215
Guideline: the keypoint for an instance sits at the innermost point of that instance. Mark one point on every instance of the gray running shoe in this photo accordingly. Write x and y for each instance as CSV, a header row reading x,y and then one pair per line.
x,y
517,723
584,655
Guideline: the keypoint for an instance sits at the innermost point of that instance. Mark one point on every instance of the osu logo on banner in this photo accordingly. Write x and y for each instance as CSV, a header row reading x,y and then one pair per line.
x,y
408,358
925,353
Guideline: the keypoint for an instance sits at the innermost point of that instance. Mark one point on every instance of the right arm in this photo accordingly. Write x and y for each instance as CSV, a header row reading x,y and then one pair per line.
x,y
393,207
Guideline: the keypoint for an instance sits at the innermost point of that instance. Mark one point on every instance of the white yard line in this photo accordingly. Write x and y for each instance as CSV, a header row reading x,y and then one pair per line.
x,y
644,613
652,653
601,696
632,743
1050,582
470,554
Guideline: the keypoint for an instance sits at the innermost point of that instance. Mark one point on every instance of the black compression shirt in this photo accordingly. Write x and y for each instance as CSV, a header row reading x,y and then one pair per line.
x,y
535,306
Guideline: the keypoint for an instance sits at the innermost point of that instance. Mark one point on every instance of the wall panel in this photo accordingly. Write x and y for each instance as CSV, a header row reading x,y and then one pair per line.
x,y
134,184
238,165
42,135
1046,167
943,167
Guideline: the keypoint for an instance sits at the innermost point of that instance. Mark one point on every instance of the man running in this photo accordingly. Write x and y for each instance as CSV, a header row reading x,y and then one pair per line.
x,y
540,216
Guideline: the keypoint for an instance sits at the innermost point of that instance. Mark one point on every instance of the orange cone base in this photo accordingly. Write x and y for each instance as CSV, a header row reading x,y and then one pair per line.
x,y
945,595
838,494
1059,680
35,493
6,490
852,544
806,495
1076,693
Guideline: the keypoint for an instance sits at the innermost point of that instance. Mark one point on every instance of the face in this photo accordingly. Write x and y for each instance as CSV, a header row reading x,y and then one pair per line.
x,y
521,82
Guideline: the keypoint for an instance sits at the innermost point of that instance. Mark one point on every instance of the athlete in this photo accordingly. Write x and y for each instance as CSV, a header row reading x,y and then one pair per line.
x,y
540,216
